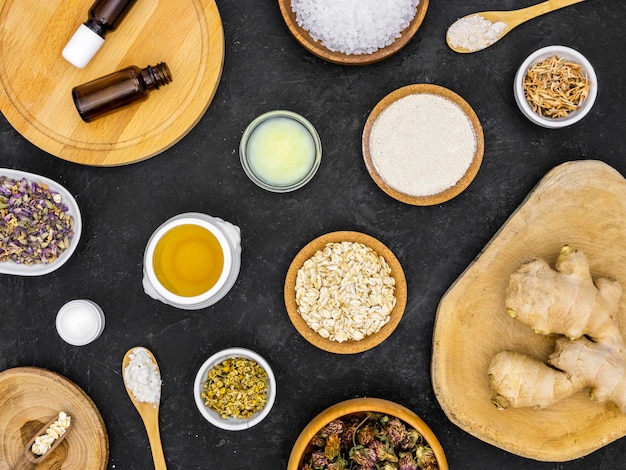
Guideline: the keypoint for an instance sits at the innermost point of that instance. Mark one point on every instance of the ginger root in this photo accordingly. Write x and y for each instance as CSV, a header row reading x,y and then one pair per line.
x,y
589,354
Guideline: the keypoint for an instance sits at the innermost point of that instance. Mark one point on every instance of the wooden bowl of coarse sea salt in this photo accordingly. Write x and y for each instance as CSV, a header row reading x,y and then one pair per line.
x,y
353,32
423,144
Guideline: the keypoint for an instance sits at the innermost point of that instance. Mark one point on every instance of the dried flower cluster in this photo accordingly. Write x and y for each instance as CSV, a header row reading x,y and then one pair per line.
x,y
555,87
371,442
34,224
236,388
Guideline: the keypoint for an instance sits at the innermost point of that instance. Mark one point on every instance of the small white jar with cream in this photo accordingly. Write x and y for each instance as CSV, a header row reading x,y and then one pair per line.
x,y
79,322
280,151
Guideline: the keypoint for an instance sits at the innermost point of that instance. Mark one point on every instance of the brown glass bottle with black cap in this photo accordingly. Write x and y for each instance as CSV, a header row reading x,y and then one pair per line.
x,y
119,90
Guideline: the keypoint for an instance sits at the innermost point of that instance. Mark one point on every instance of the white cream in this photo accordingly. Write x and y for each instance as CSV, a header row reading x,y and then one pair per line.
x,y
281,151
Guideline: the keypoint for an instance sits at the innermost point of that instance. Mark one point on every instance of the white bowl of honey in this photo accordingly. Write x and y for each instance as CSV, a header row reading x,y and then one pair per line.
x,y
192,260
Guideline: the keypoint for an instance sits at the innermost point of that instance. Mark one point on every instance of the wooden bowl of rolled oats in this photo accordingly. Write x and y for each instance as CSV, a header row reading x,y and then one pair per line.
x,y
345,292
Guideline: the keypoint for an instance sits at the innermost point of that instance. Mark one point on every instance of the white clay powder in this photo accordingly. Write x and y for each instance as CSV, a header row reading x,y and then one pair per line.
x,y
142,377
422,144
354,26
475,32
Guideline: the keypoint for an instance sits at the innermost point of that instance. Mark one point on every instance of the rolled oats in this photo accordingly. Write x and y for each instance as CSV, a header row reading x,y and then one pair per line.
x,y
345,291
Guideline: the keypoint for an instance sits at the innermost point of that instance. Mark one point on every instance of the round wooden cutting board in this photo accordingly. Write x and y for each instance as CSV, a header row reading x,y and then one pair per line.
x,y
29,398
36,81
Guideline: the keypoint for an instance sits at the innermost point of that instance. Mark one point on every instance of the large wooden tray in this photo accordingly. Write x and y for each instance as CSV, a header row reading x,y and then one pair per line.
x,y
29,398
36,82
582,204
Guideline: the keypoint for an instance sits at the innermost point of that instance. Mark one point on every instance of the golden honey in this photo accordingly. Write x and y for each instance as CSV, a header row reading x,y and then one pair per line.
x,y
188,260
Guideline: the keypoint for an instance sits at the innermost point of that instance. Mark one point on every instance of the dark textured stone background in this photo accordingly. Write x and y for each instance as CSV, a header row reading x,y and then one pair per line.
x,y
266,69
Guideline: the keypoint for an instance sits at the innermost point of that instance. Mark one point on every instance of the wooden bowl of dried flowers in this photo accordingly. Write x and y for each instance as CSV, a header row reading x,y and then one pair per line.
x,y
368,432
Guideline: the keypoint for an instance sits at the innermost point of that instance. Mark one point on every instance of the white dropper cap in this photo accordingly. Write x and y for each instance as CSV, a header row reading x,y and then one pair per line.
x,y
82,47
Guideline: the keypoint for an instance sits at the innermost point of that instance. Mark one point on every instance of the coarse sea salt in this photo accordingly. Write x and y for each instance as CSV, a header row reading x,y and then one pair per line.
x,y
354,26
142,377
475,32
422,144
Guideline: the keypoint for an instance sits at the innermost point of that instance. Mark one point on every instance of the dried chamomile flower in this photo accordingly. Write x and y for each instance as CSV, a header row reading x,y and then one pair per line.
x,y
236,388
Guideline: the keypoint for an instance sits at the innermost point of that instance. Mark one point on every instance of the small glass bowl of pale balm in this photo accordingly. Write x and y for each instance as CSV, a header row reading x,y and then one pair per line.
x,y
280,151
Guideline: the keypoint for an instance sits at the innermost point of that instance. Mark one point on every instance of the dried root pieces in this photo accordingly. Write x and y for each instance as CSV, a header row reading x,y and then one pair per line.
x,y
591,352
555,87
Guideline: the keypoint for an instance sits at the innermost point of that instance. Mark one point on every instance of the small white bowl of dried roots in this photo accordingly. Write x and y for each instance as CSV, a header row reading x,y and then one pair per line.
x,y
555,87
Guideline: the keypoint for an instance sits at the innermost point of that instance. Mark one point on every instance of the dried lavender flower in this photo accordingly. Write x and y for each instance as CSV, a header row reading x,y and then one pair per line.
x,y
340,464
383,452
318,459
35,227
425,457
365,435
364,457
413,437
318,441
347,438
407,463
389,466
396,431
334,427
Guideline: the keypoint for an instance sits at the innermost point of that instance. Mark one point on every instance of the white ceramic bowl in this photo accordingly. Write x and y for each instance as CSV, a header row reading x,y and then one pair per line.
x,y
229,238
542,54
233,424
72,209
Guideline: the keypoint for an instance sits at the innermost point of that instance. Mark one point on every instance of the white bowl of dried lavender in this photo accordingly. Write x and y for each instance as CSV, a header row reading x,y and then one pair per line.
x,y
555,87
40,224
368,433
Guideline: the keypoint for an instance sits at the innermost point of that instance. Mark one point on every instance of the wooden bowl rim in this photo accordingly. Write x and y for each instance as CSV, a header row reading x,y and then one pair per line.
x,y
318,49
347,347
360,405
472,170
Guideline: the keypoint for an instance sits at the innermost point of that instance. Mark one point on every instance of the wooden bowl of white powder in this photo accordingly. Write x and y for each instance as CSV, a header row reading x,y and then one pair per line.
x,y
353,32
423,144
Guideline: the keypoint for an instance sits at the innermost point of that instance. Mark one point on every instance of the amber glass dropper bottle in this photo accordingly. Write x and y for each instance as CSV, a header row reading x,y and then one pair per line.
x,y
104,16
118,90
